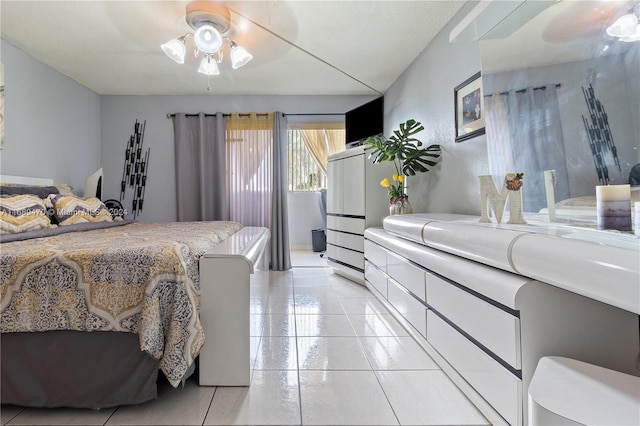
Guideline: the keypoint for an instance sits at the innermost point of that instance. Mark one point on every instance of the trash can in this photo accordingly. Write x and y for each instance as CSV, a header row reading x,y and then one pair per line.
x,y
318,240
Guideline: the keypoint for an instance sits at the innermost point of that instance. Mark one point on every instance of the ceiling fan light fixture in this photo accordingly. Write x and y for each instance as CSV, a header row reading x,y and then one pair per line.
x,y
208,66
623,26
175,49
239,56
207,39
633,37
211,24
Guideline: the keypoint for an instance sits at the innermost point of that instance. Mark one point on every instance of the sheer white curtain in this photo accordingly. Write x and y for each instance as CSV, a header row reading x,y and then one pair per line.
x,y
250,165
498,138
257,178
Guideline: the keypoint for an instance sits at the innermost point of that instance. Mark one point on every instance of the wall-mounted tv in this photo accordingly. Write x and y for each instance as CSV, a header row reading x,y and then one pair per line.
x,y
364,121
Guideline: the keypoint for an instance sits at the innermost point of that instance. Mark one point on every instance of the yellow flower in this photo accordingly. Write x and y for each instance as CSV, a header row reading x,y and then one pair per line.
x,y
401,178
396,177
385,183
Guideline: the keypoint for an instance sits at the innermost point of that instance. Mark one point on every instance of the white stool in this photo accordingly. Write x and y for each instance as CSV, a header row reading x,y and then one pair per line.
x,y
564,391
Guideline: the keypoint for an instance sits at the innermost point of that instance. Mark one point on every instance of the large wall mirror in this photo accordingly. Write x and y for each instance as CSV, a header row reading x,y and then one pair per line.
x,y
561,94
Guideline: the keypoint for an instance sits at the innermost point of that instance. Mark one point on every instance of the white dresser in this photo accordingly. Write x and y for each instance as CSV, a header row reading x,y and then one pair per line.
x,y
488,300
355,201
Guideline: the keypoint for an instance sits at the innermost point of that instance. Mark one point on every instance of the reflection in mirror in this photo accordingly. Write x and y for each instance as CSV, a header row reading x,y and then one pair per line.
x,y
561,94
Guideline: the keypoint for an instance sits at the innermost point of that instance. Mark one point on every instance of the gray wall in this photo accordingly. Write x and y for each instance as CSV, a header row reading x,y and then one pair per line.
x,y
609,79
118,115
52,123
425,93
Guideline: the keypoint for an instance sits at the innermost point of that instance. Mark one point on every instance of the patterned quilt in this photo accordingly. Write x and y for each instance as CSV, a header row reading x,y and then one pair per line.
x,y
138,278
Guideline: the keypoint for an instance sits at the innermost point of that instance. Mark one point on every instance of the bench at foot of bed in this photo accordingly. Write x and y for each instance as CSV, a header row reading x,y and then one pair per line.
x,y
226,273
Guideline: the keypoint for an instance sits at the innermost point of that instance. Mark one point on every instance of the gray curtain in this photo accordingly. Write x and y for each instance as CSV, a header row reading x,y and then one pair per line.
x,y
200,153
537,142
280,254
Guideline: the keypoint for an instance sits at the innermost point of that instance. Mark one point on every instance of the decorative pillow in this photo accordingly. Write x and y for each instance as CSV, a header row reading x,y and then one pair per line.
x,y
40,191
70,209
21,213
64,189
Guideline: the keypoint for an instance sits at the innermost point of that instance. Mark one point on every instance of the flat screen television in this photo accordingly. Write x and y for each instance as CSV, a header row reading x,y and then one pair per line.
x,y
364,121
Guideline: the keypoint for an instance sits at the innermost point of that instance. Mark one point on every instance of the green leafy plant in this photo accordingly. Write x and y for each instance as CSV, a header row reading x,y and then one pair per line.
x,y
404,150
407,155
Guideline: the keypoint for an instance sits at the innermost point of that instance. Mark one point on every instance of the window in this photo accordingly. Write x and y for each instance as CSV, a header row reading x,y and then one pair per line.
x,y
309,145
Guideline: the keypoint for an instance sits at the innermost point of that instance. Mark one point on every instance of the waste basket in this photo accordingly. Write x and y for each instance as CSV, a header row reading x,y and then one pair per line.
x,y
318,240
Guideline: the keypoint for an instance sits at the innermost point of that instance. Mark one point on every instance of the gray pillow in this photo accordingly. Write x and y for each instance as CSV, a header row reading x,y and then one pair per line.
x,y
40,191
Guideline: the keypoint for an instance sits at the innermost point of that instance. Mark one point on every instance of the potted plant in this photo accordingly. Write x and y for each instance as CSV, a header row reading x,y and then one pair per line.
x,y
408,157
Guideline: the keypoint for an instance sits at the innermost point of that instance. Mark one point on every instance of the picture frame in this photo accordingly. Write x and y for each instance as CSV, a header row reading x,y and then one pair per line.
x,y
469,108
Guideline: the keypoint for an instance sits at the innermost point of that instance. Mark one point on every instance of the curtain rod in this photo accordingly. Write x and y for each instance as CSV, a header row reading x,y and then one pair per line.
x,y
169,115
558,85
316,113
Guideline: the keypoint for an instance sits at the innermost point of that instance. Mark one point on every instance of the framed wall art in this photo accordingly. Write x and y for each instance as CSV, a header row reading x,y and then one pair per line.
x,y
469,108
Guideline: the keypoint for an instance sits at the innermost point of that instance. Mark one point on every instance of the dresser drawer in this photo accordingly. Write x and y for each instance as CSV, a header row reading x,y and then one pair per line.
x,y
409,307
376,278
350,241
346,224
407,274
350,257
497,385
494,328
375,254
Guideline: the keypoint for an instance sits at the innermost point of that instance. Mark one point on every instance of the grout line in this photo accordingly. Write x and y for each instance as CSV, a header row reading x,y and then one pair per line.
x,y
16,415
295,333
111,415
210,404
393,410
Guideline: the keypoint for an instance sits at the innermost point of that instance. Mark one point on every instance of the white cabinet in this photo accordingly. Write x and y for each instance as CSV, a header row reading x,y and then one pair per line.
x,y
488,323
355,201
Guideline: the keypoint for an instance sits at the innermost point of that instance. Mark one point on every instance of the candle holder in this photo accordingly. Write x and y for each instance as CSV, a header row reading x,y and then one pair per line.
x,y
613,204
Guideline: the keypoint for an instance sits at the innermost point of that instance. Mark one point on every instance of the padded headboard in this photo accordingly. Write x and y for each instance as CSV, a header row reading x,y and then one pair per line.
x,y
26,180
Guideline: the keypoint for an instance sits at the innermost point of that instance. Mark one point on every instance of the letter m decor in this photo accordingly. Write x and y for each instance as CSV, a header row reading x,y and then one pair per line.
x,y
489,195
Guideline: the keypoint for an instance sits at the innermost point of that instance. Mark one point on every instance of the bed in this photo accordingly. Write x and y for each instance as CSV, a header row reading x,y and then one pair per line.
x,y
92,312
584,208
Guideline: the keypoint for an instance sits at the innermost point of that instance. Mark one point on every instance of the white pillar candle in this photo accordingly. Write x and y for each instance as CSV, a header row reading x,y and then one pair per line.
x,y
613,192
613,204
549,181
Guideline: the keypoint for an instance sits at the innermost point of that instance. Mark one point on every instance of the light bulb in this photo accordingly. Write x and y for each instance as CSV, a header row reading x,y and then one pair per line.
x,y
207,39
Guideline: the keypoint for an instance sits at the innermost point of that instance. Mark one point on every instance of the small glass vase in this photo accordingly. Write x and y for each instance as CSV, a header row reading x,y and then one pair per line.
x,y
400,206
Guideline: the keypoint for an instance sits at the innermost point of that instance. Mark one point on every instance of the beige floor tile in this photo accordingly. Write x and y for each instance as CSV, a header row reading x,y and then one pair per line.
x,y
324,325
61,416
428,398
396,353
331,353
181,406
363,306
283,325
376,325
272,399
7,412
317,305
343,398
277,353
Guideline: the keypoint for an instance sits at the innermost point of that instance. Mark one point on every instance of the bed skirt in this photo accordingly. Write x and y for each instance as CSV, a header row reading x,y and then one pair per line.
x,y
75,369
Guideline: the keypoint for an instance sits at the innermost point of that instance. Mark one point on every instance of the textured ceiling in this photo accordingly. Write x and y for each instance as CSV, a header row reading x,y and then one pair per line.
x,y
299,47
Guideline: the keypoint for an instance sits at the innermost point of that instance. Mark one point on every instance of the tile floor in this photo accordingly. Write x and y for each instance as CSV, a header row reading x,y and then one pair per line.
x,y
324,352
